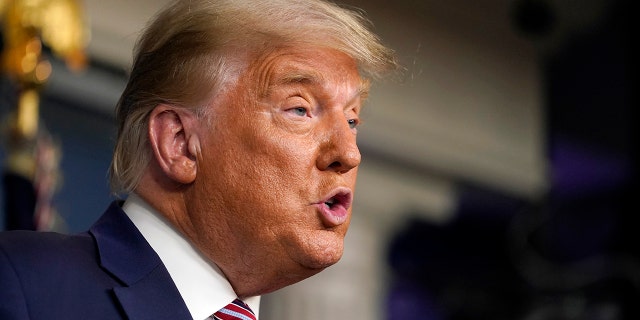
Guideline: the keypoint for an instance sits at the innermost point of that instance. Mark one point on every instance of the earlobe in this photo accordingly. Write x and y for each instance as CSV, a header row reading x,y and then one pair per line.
x,y
174,146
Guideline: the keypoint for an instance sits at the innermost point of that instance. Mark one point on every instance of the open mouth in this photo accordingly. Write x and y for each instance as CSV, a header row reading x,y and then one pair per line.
x,y
334,209
340,199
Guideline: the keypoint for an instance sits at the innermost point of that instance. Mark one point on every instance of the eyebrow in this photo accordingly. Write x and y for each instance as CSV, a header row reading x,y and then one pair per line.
x,y
298,77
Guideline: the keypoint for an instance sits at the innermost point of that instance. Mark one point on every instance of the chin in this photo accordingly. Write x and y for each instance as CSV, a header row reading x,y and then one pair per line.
x,y
323,260
319,253
311,251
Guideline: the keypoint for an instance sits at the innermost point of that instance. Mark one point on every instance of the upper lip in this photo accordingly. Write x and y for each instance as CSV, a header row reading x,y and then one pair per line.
x,y
340,196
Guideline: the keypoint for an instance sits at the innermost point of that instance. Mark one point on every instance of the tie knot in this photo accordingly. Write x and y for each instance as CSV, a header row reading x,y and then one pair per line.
x,y
236,310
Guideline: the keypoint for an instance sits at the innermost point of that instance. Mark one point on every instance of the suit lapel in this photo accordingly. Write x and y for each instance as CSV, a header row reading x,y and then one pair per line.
x,y
153,297
148,292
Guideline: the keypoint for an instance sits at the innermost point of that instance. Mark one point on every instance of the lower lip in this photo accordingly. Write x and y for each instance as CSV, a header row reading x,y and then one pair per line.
x,y
334,216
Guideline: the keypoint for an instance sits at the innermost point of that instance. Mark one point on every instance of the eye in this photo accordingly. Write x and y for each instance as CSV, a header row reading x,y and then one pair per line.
x,y
299,111
353,123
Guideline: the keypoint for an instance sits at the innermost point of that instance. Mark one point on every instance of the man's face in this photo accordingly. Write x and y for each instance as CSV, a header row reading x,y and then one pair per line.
x,y
275,178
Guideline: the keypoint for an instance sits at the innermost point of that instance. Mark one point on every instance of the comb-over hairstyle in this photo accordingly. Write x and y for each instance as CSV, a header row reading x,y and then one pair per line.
x,y
187,53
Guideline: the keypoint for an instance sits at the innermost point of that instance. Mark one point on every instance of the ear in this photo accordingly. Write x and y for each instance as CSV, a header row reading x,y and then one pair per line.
x,y
174,144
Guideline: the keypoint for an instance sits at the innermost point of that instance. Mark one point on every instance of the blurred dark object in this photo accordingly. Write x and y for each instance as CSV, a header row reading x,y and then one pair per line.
x,y
20,202
509,259
462,269
534,18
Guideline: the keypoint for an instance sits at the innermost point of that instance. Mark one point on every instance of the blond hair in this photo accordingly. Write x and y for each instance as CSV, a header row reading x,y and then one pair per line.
x,y
183,58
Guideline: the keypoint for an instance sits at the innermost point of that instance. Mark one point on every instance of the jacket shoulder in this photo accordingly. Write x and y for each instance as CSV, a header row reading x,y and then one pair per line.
x,y
45,247
52,273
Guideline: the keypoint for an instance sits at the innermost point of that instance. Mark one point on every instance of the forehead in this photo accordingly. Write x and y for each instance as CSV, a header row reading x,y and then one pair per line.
x,y
319,67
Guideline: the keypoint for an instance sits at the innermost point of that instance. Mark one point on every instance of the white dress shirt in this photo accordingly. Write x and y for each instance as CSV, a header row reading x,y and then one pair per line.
x,y
200,282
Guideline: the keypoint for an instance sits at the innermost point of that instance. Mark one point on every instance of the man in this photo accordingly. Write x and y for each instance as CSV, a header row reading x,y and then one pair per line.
x,y
237,147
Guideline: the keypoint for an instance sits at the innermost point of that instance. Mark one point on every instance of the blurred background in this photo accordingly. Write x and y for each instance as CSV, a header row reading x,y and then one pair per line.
x,y
499,169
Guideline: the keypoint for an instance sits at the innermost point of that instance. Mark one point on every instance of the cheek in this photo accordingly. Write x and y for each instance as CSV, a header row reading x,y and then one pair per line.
x,y
262,170
281,156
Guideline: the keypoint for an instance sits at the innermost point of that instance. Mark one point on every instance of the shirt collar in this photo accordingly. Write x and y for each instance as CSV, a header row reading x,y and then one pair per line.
x,y
200,282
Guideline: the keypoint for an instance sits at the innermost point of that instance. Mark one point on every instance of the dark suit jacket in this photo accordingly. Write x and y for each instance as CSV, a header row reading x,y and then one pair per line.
x,y
109,272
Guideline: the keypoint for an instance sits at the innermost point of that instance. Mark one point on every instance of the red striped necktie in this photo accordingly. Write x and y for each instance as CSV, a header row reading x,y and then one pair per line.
x,y
236,310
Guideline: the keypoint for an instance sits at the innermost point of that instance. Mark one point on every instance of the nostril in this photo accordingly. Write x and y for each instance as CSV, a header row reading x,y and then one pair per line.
x,y
335,164
338,167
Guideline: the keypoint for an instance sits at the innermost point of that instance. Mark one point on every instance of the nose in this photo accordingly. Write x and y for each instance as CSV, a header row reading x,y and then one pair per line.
x,y
339,151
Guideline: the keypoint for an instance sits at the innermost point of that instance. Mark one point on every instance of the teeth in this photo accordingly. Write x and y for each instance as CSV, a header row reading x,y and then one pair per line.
x,y
329,203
